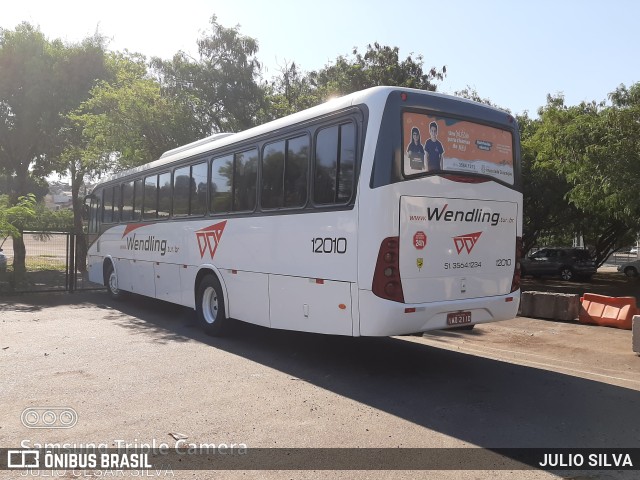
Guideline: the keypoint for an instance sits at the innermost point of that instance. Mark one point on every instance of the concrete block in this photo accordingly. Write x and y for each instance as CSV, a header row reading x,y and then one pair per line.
x,y
526,304
635,333
549,305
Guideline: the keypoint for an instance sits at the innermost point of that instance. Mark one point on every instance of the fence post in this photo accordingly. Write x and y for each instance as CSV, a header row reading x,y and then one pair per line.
x,y
67,271
72,261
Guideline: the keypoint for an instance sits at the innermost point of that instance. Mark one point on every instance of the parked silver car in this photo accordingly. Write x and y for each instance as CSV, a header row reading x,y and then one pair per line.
x,y
630,269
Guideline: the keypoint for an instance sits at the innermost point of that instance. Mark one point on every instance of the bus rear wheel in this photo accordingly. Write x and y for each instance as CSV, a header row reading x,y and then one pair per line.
x,y
210,308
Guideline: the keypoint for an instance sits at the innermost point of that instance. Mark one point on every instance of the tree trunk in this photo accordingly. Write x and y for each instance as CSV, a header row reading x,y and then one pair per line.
x,y
78,230
19,259
19,249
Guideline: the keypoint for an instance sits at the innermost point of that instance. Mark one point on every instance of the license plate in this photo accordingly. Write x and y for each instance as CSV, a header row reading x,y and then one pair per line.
x,y
458,318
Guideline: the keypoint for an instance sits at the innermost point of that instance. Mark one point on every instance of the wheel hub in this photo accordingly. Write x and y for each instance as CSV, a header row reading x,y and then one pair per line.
x,y
210,305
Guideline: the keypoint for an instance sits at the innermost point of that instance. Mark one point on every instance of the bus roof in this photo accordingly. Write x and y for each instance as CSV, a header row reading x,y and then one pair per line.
x,y
374,95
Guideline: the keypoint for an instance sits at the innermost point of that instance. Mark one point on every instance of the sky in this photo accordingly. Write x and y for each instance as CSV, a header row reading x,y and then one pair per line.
x,y
512,52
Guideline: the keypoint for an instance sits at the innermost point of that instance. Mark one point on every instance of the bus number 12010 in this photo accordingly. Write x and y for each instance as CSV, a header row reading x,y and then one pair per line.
x,y
329,245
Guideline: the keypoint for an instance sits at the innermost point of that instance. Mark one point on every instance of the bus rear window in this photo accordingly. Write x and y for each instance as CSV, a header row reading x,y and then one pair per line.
x,y
441,144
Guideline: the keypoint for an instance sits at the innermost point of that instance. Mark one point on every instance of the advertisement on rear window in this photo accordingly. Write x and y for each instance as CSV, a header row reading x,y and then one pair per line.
x,y
435,144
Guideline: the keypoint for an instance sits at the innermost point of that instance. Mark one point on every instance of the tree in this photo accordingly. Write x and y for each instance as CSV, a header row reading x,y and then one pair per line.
x,y
40,81
126,122
294,90
595,148
379,65
547,214
13,218
220,89
129,120
472,94
289,92
38,186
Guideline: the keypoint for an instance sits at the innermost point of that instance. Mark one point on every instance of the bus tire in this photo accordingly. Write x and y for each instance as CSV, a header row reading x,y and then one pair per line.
x,y
111,282
210,308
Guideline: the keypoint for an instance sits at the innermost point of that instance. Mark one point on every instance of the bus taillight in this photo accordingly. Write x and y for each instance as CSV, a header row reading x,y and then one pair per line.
x,y
515,283
386,279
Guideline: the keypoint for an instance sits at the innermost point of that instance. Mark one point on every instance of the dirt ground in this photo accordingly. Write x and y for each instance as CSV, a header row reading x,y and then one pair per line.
x,y
608,281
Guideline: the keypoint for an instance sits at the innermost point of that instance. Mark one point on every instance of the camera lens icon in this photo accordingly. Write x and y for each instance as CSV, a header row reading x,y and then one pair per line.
x,y
49,417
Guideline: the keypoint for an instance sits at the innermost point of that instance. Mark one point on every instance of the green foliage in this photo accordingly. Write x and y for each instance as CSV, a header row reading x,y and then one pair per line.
x,y
128,121
220,89
595,148
13,219
40,80
293,90
548,217
38,186
379,65
77,111
46,220
289,92
472,94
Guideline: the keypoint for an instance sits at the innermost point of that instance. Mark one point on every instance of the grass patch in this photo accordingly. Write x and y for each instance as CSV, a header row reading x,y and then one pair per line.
x,y
40,263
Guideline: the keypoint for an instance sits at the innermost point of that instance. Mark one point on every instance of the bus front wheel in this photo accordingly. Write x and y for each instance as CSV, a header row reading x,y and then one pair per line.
x,y
210,306
111,282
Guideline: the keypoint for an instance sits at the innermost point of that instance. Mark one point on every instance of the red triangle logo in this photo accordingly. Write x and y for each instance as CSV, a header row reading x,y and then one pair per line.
x,y
209,238
466,242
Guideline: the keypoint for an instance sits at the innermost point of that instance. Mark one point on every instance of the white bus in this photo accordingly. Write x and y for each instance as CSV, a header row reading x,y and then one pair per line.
x,y
388,211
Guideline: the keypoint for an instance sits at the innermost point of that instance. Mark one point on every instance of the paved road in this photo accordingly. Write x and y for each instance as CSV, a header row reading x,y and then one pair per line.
x,y
141,370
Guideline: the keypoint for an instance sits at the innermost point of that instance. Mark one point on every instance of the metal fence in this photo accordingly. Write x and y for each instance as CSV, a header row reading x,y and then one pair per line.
x,y
619,258
53,262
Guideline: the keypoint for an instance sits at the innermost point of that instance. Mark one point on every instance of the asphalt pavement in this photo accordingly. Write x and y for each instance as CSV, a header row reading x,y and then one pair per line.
x,y
140,371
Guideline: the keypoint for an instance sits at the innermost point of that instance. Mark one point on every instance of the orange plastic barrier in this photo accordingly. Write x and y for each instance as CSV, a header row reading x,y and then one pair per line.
x,y
615,312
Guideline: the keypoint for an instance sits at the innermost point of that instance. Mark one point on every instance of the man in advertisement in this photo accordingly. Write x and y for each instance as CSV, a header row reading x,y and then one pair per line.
x,y
434,149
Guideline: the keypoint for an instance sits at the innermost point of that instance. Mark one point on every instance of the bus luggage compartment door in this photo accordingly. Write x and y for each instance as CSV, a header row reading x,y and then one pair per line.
x,y
453,248
310,305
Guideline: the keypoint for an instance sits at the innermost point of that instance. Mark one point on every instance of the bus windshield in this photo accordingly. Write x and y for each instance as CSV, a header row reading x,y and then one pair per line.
x,y
437,143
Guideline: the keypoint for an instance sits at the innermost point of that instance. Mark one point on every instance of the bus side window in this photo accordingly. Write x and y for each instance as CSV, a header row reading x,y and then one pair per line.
x,y
94,214
164,195
150,210
116,204
273,155
221,182
127,202
295,178
245,179
137,200
284,173
347,162
181,184
335,164
198,200
107,205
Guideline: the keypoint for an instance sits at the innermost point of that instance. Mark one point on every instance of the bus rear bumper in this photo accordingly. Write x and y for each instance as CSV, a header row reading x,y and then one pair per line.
x,y
379,317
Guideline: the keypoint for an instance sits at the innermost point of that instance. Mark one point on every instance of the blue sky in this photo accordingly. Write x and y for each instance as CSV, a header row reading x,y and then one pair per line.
x,y
512,52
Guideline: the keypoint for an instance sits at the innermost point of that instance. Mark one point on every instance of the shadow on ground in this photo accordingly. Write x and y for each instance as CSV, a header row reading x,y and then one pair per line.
x,y
479,401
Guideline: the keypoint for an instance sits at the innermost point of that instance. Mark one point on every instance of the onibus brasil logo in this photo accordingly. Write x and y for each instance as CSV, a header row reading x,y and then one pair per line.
x,y
209,238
